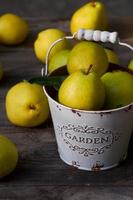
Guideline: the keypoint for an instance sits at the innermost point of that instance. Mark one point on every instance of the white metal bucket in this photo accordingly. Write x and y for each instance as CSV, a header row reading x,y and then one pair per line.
x,y
91,140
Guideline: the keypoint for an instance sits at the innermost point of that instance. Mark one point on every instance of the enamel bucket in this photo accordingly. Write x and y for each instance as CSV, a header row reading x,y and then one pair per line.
x,y
91,140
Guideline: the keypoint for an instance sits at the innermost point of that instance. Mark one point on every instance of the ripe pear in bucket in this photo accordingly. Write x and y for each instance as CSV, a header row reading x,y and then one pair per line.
x,y
119,89
130,66
112,56
82,90
85,54
92,15
59,60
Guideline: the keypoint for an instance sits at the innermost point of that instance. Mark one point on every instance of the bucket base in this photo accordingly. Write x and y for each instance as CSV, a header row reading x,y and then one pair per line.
x,y
92,168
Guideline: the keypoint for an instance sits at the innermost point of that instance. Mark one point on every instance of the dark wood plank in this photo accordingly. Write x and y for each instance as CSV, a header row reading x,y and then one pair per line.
x,y
40,164
40,173
61,8
66,193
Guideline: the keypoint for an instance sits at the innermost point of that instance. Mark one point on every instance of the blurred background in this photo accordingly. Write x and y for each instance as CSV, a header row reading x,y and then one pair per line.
x,y
60,9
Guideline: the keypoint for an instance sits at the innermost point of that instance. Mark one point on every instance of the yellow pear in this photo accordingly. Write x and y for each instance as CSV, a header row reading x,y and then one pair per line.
x,y
112,56
13,29
26,105
90,16
58,60
85,54
82,90
45,39
130,66
119,89
8,156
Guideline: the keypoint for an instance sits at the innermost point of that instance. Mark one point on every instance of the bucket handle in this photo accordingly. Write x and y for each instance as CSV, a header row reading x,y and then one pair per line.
x,y
89,35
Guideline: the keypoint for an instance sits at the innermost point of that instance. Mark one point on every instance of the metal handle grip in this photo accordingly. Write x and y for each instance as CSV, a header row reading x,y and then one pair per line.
x,y
97,36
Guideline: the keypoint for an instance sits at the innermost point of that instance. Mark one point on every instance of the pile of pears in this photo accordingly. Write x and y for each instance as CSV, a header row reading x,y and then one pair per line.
x,y
90,84
86,89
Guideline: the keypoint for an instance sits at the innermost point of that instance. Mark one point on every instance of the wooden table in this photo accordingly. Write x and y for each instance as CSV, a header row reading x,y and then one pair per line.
x,y
40,173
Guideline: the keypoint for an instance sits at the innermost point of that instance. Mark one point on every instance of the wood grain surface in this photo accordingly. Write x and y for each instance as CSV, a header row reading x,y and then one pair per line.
x,y
40,173
61,9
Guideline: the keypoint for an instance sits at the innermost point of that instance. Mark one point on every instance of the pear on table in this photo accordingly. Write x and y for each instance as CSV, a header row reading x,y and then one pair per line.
x,y
92,15
8,156
26,105
13,29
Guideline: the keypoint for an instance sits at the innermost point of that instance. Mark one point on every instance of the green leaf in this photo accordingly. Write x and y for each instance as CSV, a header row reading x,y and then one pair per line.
x,y
54,81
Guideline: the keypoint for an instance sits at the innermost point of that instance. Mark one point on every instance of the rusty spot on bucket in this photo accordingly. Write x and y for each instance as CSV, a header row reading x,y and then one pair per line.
x,y
106,113
101,114
97,167
79,114
130,107
74,111
75,164
58,108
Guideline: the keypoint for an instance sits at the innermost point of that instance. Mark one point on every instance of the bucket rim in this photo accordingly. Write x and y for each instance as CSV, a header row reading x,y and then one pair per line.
x,y
126,107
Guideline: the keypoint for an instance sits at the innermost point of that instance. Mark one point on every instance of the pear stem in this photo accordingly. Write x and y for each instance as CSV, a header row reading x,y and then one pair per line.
x,y
87,70
93,3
